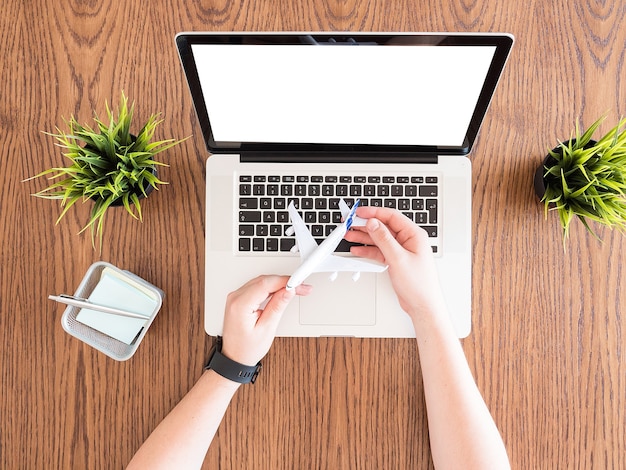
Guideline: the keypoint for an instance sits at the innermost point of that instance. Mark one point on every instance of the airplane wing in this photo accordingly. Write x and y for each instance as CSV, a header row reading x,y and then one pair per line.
x,y
336,263
304,239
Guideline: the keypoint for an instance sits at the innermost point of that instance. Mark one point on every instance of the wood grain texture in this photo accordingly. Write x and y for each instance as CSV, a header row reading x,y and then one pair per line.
x,y
547,345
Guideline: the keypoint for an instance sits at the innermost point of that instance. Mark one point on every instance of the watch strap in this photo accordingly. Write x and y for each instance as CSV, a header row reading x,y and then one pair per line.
x,y
230,369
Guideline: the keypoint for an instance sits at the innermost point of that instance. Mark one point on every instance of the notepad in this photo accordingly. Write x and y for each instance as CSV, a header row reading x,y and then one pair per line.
x,y
122,292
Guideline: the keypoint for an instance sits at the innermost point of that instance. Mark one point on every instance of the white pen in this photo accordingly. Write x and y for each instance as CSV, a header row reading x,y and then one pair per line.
x,y
84,303
325,249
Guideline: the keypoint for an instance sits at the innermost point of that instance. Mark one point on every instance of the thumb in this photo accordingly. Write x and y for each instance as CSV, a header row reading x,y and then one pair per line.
x,y
384,240
273,311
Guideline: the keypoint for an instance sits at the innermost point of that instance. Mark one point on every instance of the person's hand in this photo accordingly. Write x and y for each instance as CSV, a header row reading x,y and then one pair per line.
x,y
395,240
252,315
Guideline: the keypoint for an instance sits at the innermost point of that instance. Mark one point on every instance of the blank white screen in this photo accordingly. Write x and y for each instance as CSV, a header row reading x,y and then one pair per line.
x,y
385,95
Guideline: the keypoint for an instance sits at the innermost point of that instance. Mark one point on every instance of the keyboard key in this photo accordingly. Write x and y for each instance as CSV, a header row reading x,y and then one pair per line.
x,y
360,179
245,190
282,217
244,244
397,190
328,190
330,179
302,179
288,179
345,179
421,217
272,244
248,203
431,179
279,203
286,244
246,230
249,216
410,190
321,204
269,217
310,217
265,203
273,179
286,190
258,190
272,190
355,191
245,178
276,230
259,179
390,203
389,179
307,203
382,190
314,190
341,190
373,179
417,204
317,179
431,230
428,191
258,244
262,230
369,190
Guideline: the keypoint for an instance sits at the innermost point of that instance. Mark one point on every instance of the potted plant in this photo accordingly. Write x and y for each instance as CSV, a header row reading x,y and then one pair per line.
x,y
108,165
586,179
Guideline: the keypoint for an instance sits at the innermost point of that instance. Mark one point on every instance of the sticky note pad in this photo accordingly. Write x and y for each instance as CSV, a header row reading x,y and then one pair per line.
x,y
117,291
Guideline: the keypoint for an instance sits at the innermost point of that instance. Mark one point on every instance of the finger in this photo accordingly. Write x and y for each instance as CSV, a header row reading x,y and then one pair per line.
x,y
393,219
358,236
384,240
369,252
255,292
273,311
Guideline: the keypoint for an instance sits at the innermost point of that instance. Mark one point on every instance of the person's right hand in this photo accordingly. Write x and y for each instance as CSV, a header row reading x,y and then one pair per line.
x,y
395,240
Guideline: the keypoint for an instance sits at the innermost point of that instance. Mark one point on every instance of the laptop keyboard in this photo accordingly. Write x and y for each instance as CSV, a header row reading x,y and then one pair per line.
x,y
263,201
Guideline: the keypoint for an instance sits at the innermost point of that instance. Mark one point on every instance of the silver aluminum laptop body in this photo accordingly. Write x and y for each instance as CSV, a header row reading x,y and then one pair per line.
x,y
347,105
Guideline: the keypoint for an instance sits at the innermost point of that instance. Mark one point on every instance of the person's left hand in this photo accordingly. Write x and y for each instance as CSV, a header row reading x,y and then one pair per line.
x,y
252,315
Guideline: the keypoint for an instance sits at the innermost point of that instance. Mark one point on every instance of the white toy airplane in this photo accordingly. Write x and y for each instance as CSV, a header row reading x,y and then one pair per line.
x,y
319,258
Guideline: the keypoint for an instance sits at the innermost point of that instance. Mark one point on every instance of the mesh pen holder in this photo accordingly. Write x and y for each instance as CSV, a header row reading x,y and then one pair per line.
x,y
110,346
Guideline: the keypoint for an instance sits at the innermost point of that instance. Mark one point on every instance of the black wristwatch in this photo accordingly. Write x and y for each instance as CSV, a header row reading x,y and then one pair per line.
x,y
230,369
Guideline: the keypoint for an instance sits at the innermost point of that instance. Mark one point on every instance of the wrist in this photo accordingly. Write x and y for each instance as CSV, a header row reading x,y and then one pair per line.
x,y
229,368
218,381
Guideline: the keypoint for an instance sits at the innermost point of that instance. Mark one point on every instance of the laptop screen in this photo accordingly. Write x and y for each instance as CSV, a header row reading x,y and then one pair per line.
x,y
411,92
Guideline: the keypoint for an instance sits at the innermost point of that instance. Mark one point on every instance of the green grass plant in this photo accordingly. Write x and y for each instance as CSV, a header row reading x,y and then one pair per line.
x,y
587,180
107,165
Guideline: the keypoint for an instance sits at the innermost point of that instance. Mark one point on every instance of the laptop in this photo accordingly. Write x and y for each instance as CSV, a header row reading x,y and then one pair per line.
x,y
311,118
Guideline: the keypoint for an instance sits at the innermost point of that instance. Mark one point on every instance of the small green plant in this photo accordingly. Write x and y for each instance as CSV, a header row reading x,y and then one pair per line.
x,y
108,165
587,179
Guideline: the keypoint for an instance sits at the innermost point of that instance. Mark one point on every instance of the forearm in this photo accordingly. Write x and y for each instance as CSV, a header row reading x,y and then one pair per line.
x,y
462,431
182,439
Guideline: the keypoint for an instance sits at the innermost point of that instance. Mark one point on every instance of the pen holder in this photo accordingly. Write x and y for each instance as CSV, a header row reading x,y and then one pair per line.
x,y
112,347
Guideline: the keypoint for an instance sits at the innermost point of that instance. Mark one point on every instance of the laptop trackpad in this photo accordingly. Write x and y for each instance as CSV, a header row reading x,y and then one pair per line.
x,y
339,302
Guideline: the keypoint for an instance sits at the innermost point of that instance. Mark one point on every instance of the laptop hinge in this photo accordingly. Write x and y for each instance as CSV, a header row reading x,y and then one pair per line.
x,y
338,157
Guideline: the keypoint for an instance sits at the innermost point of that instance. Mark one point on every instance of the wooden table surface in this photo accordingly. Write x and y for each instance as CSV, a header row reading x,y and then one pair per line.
x,y
547,343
